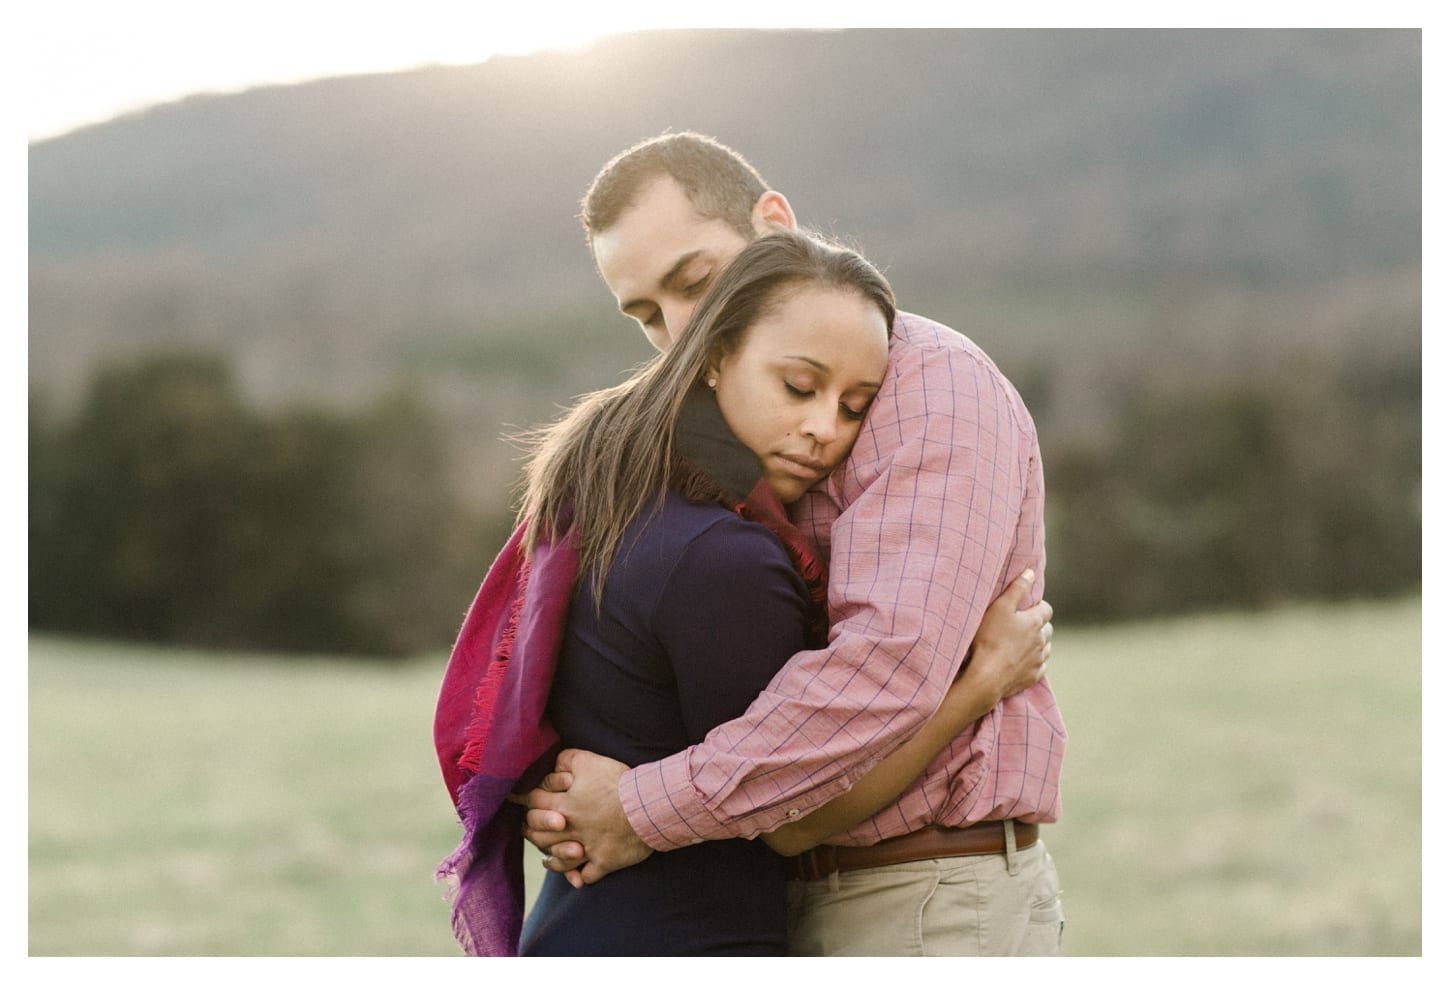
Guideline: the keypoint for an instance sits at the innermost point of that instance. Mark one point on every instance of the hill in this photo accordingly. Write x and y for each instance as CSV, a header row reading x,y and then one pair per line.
x,y
1036,188
1197,254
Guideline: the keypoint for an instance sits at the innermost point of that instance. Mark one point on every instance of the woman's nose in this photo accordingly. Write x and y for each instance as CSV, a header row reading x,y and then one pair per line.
x,y
820,423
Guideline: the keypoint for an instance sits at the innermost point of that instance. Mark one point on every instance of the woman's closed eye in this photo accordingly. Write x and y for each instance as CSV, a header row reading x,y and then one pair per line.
x,y
847,411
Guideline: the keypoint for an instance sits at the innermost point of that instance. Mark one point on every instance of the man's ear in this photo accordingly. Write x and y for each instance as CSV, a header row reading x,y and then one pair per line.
x,y
771,212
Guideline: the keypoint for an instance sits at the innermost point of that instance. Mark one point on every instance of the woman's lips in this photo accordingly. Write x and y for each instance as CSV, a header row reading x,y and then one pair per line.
x,y
802,466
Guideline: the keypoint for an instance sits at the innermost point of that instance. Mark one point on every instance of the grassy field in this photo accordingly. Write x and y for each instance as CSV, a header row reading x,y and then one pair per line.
x,y
1235,785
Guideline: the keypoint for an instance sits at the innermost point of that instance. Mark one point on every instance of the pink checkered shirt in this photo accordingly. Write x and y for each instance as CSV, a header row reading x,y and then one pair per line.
x,y
937,509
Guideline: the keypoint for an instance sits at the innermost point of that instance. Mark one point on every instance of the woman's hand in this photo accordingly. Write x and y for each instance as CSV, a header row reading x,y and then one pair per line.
x,y
1010,651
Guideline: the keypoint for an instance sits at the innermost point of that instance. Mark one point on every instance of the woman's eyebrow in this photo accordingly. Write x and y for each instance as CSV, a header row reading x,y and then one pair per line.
x,y
866,384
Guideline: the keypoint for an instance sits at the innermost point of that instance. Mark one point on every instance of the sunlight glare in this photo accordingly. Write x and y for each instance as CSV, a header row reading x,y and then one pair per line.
x,y
90,60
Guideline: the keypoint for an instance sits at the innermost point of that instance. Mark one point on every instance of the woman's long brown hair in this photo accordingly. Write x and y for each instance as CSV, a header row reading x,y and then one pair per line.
x,y
608,459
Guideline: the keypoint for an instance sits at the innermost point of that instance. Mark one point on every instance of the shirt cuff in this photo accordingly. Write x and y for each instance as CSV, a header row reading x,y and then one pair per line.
x,y
664,807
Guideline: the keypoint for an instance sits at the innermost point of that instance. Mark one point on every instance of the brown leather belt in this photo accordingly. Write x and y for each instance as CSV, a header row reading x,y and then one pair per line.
x,y
984,838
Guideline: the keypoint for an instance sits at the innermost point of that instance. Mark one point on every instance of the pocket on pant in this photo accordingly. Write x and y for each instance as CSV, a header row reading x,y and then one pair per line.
x,y
1044,932
1047,910
1045,920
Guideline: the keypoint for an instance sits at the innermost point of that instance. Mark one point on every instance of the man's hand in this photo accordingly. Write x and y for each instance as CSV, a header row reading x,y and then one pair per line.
x,y
1010,651
576,819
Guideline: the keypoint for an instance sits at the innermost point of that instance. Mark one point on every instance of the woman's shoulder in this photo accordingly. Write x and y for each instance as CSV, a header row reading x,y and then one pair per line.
x,y
680,525
694,563
699,543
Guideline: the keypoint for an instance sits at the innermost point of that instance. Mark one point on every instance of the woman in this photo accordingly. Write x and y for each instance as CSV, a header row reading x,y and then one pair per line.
x,y
692,587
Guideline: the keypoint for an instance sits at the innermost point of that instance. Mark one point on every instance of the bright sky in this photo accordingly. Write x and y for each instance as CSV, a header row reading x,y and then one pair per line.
x,y
83,61
92,59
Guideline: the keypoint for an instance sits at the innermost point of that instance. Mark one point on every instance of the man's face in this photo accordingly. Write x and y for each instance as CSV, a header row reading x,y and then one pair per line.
x,y
660,258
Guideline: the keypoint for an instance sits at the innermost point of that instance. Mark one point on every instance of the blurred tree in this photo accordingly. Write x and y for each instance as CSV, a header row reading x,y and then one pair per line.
x,y
1301,481
151,475
170,511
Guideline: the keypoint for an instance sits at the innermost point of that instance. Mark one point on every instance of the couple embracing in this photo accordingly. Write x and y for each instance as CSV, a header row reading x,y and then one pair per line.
x,y
761,670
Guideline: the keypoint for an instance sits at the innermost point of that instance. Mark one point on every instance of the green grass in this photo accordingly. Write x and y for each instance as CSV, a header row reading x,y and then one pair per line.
x,y
193,804
1242,785
1235,784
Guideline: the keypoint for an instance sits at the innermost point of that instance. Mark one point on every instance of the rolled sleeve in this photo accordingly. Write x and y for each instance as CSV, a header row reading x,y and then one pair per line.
x,y
663,821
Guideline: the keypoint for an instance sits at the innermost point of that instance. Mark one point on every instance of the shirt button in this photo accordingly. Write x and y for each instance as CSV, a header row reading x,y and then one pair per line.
x,y
697,841
793,812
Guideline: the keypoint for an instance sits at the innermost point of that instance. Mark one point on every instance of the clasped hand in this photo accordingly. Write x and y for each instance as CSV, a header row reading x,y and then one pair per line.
x,y
576,819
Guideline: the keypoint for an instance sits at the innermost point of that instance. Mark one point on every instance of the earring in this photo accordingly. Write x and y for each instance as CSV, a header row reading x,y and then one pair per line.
x,y
710,382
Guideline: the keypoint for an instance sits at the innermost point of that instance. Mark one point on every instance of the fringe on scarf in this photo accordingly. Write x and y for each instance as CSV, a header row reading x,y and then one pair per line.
x,y
485,699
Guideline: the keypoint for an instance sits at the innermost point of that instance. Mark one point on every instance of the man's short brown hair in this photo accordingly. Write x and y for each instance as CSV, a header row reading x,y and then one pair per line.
x,y
718,181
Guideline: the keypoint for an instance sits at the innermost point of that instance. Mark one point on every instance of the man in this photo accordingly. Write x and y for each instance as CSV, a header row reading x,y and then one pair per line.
x,y
937,508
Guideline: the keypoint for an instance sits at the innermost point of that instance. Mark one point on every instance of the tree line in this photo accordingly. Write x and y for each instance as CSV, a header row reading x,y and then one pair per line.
x,y
165,507
1297,479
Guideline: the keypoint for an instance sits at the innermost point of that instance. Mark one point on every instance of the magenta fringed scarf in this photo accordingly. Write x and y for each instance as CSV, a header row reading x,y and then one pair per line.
x,y
491,735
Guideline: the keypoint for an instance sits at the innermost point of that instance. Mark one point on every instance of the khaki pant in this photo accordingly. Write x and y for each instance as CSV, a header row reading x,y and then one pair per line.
x,y
979,905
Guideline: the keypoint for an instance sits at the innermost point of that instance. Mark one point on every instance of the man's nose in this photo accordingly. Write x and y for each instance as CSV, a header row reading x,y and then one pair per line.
x,y
677,316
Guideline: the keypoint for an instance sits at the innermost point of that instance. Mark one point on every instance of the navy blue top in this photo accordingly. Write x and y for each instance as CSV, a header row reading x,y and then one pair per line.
x,y
699,613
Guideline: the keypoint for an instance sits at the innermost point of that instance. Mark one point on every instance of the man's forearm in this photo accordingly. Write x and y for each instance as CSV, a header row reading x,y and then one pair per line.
x,y
1009,654
666,812
885,782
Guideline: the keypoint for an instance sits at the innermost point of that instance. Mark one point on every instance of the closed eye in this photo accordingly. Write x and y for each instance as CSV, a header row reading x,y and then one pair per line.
x,y
847,411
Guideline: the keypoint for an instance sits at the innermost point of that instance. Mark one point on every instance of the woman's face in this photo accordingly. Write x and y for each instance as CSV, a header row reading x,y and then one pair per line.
x,y
796,389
